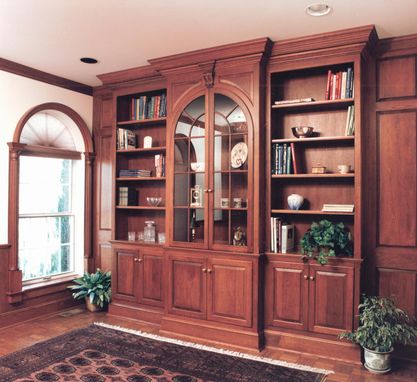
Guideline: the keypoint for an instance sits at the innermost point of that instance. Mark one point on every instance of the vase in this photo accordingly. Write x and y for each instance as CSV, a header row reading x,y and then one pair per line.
x,y
91,307
295,201
377,362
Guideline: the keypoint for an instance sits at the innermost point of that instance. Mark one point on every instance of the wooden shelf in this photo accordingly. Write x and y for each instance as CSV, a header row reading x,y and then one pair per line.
x,y
140,208
141,179
306,176
337,103
142,150
350,138
136,242
142,121
231,208
310,212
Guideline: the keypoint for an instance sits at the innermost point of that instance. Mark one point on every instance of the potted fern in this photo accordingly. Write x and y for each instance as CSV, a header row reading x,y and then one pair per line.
x,y
326,239
95,288
381,325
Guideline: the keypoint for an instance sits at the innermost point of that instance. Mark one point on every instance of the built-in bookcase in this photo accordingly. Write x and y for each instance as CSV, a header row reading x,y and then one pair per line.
x,y
141,115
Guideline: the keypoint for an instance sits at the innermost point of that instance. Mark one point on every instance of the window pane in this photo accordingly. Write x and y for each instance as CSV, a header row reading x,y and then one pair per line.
x,y
45,185
45,246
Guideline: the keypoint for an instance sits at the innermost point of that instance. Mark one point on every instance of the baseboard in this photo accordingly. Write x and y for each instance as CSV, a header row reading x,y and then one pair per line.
x,y
206,332
302,343
139,313
17,316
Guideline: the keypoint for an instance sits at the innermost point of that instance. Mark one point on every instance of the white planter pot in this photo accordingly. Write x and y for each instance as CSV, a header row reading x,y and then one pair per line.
x,y
377,362
295,201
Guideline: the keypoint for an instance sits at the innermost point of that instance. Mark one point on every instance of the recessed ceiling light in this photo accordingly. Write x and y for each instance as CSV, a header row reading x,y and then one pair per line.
x,y
88,60
318,9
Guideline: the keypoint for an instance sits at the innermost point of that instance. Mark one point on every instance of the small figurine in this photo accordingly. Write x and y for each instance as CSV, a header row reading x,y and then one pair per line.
x,y
239,237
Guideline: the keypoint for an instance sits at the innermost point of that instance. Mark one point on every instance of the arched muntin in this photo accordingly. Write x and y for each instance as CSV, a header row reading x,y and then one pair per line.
x,y
72,114
16,149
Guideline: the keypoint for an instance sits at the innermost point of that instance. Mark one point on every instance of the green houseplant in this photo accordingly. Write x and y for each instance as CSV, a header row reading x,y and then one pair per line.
x,y
326,239
95,288
381,325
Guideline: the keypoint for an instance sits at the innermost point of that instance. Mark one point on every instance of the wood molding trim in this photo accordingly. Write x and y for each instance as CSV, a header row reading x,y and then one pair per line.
x,y
38,75
222,52
365,34
145,72
397,46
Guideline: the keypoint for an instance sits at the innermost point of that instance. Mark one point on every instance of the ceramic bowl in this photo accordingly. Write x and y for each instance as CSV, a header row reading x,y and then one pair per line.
x,y
154,201
197,166
302,131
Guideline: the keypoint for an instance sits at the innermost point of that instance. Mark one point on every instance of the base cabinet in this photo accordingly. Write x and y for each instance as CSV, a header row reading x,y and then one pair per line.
x,y
138,275
217,289
309,297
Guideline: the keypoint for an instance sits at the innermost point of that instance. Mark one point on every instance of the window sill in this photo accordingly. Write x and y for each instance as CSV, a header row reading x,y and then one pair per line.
x,y
49,283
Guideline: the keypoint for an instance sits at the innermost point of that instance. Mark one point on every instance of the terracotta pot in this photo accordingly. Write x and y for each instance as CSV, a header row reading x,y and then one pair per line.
x,y
378,362
91,307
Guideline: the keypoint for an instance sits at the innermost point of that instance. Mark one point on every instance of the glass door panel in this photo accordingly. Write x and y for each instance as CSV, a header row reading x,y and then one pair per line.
x,y
189,173
230,160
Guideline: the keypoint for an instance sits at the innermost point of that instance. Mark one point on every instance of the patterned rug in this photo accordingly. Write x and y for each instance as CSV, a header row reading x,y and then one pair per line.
x,y
101,354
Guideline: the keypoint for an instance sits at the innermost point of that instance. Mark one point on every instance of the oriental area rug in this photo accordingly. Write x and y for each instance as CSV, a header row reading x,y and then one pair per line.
x,y
100,353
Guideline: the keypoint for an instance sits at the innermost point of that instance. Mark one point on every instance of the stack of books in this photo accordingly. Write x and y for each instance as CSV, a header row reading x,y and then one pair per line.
x,y
128,196
339,85
126,139
282,236
283,159
293,101
338,208
135,173
146,107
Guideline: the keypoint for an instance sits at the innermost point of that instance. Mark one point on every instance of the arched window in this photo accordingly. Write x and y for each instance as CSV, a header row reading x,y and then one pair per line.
x,y
50,178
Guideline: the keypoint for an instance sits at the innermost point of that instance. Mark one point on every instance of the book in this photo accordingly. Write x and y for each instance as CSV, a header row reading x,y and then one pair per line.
x,y
287,237
329,75
338,207
343,86
288,169
280,157
294,162
290,101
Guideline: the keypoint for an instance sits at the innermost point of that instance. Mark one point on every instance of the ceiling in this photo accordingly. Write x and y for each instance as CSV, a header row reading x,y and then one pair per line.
x,y
52,35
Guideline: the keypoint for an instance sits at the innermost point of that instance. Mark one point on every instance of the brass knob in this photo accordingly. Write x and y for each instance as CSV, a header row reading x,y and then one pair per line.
x,y
305,277
209,190
140,260
204,270
312,278
209,270
136,259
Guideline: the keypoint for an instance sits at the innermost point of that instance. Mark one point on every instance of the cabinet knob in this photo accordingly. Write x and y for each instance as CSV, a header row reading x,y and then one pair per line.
x,y
209,190
209,270
305,277
136,259
312,278
204,270
140,260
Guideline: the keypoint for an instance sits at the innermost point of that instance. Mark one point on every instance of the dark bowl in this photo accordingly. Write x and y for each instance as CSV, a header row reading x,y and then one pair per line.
x,y
302,131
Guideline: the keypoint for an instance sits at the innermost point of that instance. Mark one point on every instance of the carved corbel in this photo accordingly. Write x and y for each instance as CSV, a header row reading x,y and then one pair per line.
x,y
208,69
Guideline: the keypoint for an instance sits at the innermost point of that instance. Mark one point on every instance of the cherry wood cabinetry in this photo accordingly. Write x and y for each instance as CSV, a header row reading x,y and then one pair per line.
x,y
219,289
138,274
309,296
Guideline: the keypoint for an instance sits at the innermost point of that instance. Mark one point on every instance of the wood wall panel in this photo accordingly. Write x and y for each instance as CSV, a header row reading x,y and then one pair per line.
x,y
397,178
105,186
396,77
401,286
105,257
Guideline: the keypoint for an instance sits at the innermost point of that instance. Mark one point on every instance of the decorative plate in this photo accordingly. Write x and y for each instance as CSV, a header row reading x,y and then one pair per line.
x,y
239,154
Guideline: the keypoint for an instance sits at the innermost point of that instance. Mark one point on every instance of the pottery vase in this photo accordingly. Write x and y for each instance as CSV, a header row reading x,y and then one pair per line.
x,y
295,201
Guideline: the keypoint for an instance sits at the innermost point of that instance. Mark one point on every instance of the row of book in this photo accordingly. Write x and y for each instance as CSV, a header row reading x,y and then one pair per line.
x,y
128,196
339,85
146,107
134,173
125,139
350,121
282,236
283,159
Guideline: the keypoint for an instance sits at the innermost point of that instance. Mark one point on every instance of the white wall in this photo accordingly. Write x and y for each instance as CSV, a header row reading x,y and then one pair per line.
x,y
18,95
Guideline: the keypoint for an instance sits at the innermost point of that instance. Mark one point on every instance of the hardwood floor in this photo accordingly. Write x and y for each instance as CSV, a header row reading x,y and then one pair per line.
x,y
27,333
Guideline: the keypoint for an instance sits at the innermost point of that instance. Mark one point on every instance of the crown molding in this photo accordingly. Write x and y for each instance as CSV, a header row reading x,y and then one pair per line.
x,y
38,75
140,72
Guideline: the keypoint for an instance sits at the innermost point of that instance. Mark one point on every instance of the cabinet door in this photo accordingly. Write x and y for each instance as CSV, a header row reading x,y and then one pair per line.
x,y
187,286
230,291
331,299
125,271
286,295
151,268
